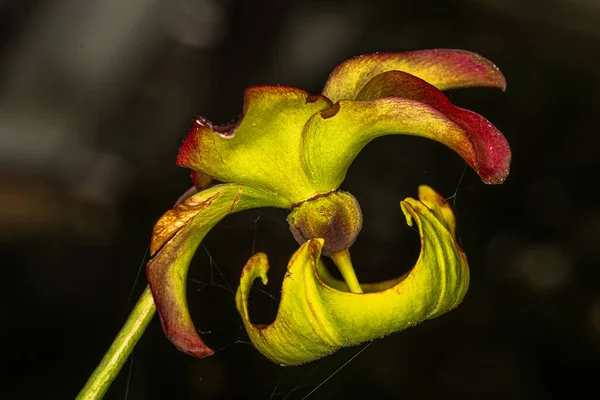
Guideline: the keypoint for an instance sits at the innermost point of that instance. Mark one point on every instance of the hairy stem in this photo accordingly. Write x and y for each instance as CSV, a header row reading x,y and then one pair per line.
x,y
344,263
121,348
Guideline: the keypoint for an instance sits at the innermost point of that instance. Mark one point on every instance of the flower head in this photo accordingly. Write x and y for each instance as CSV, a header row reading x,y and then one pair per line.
x,y
292,149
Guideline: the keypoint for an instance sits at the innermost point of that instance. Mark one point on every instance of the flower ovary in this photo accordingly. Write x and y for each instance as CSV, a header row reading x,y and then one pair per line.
x,y
336,217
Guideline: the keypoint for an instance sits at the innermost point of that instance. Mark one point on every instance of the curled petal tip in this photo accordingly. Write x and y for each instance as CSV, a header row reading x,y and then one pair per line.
x,y
188,344
494,163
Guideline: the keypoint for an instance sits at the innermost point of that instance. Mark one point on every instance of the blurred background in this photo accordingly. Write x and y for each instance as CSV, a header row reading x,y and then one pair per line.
x,y
96,96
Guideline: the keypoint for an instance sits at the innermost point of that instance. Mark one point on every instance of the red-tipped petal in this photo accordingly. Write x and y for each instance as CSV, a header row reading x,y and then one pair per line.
x,y
492,152
334,137
442,68
175,239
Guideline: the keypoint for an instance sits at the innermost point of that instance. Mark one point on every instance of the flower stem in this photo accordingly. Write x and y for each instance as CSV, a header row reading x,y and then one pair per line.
x,y
112,362
344,263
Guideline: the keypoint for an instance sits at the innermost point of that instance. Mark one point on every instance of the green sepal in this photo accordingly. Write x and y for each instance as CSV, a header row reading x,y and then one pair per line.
x,y
263,149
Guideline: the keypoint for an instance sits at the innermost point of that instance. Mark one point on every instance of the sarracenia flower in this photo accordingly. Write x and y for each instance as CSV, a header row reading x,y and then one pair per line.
x,y
292,149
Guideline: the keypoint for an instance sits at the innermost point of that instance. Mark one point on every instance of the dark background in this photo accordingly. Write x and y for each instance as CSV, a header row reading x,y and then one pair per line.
x,y
96,96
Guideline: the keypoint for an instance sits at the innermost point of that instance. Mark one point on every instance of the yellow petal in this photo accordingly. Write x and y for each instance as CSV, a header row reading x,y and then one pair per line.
x,y
316,316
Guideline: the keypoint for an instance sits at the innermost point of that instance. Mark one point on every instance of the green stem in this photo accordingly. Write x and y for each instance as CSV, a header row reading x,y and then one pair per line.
x,y
344,263
121,348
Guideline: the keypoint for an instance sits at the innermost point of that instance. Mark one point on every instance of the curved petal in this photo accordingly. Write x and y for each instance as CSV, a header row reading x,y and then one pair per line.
x,y
316,319
262,150
492,152
175,239
442,68
334,137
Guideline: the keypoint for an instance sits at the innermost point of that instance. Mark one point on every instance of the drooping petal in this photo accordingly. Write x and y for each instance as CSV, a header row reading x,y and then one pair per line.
x,y
442,68
492,152
175,239
262,150
316,319
334,137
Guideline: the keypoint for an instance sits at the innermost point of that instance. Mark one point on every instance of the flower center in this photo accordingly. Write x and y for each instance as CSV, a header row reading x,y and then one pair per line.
x,y
335,217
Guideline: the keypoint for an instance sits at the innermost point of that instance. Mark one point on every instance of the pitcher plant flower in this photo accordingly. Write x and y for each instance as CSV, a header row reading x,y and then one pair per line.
x,y
291,149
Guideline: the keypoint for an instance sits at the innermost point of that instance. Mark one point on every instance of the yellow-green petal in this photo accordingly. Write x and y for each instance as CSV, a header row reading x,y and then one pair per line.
x,y
175,238
442,68
334,137
263,149
492,152
316,318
